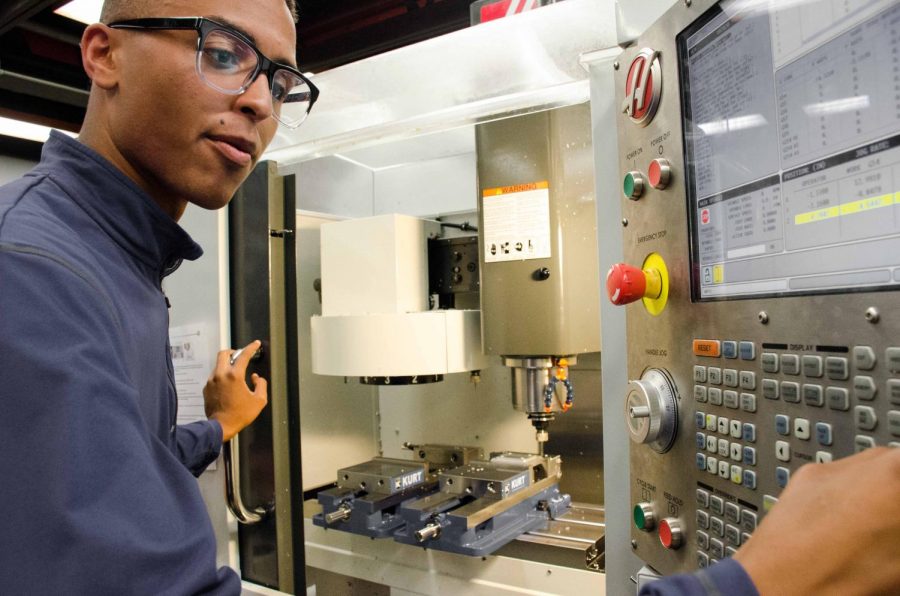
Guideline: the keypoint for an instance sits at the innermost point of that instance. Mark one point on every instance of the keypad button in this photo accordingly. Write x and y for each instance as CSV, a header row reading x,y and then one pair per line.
x,y
823,433
735,451
700,440
716,548
782,476
732,512
770,388
730,551
744,537
893,391
813,395
729,349
837,368
715,396
712,444
702,540
801,428
714,375
892,355
769,362
782,425
782,451
893,418
748,520
716,527
748,402
865,418
724,469
730,377
732,535
723,448
716,505
812,366
708,348
734,428
702,560
864,357
702,520
750,479
790,364
702,498
711,422
838,398
699,374
749,432
823,457
749,456
700,461
731,399
700,420
769,501
862,442
723,425
712,465
864,388
747,350
790,392
894,444
747,380
699,394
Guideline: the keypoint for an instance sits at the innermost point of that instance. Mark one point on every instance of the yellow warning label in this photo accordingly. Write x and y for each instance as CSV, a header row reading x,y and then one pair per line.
x,y
718,274
502,190
847,209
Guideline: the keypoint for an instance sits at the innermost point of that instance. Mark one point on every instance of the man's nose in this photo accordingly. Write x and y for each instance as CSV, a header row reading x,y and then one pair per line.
x,y
256,101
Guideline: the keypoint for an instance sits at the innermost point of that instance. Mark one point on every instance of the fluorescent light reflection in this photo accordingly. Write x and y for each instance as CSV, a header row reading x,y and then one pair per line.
x,y
718,127
836,106
27,130
84,11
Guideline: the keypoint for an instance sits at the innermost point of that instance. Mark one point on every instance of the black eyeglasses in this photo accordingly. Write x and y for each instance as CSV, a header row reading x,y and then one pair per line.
x,y
229,62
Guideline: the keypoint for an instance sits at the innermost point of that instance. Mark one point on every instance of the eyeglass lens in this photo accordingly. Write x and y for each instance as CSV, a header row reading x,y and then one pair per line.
x,y
229,64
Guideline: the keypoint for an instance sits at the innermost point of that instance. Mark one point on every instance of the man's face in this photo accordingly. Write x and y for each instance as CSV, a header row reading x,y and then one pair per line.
x,y
185,140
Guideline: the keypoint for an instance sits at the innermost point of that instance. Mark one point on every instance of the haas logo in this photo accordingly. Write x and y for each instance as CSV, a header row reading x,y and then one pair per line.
x,y
643,86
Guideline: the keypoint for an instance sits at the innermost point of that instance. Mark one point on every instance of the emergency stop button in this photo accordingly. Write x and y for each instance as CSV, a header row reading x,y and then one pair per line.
x,y
659,173
625,284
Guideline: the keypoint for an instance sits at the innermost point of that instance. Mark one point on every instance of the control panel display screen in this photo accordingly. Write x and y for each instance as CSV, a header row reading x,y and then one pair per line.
x,y
792,147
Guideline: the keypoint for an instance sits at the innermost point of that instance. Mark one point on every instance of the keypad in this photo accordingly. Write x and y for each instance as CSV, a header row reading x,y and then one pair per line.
x,y
723,525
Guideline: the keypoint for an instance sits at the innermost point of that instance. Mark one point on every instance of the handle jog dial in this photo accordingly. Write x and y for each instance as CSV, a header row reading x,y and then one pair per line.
x,y
651,410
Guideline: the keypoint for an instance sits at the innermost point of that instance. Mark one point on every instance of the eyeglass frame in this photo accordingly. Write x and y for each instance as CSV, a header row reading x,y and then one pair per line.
x,y
204,26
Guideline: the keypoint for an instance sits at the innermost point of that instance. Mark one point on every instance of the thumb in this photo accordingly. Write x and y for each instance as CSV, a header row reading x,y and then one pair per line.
x,y
260,387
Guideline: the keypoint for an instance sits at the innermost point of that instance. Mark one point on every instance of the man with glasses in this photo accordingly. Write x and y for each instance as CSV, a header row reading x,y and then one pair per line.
x,y
98,480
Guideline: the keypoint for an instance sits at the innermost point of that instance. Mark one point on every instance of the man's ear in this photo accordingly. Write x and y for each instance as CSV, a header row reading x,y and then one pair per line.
x,y
97,55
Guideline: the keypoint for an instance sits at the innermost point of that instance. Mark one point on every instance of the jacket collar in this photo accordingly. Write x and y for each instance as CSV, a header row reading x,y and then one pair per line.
x,y
121,208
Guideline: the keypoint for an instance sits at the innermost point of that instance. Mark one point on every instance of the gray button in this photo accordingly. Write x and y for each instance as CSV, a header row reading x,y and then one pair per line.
x,y
723,448
864,388
748,402
747,350
700,419
812,395
823,433
715,396
894,422
790,392
769,362
748,380
699,374
749,456
864,357
733,535
702,498
716,527
749,432
812,366
702,560
702,538
732,512
731,399
730,551
838,398
716,504
865,417
700,440
893,359
730,377
745,537
702,520
862,442
782,425
748,520
838,369
700,393
729,349
801,428
716,548
790,364
782,476
723,425
770,388
714,375
893,391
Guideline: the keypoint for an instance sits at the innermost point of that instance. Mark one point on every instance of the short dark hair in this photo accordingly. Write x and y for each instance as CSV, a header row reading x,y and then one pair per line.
x,y
116,10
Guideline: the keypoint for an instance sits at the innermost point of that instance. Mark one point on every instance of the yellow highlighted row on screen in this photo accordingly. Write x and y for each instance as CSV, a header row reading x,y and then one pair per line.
x,y
847,209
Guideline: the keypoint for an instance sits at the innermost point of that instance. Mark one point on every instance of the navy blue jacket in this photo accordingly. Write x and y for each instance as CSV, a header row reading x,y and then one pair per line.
x,y
97,483
725,578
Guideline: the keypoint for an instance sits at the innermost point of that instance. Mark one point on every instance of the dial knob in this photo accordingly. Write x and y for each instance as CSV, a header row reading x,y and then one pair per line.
x,y
670,533
626,284
651,410
644,517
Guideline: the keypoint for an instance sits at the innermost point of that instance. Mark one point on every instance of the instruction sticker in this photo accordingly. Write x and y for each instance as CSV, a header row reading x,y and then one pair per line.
x,y
517,222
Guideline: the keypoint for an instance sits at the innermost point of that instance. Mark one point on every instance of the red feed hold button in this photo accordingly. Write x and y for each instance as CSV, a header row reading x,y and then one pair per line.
x,y
659,173
670,534
625,284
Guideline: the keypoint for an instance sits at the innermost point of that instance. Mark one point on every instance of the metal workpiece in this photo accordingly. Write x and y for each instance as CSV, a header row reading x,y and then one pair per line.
x,y
575,539
441,457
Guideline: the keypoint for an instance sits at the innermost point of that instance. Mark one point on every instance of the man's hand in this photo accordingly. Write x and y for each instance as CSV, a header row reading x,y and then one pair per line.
x,y
834,530
228,399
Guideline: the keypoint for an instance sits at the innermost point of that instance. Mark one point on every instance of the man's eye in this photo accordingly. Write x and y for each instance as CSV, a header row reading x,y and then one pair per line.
x,y
222,58
278,92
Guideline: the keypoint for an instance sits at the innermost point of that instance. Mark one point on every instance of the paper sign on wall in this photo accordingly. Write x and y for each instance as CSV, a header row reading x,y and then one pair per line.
x,y
516,222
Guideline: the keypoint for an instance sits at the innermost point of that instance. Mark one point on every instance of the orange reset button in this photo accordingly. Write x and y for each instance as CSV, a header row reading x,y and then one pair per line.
x,y
706,347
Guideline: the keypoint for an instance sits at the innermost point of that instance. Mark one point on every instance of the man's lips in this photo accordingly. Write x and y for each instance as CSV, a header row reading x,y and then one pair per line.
x,y
237,150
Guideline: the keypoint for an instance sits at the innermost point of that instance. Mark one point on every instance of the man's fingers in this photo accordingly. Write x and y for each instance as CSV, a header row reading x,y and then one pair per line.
x,y
242,356
260,387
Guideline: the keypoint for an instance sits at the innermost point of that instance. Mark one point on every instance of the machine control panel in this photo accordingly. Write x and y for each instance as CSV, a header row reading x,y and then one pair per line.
x,y
758,148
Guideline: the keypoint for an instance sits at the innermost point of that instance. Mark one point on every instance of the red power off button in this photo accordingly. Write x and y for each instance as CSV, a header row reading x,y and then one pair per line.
x,y
659,173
